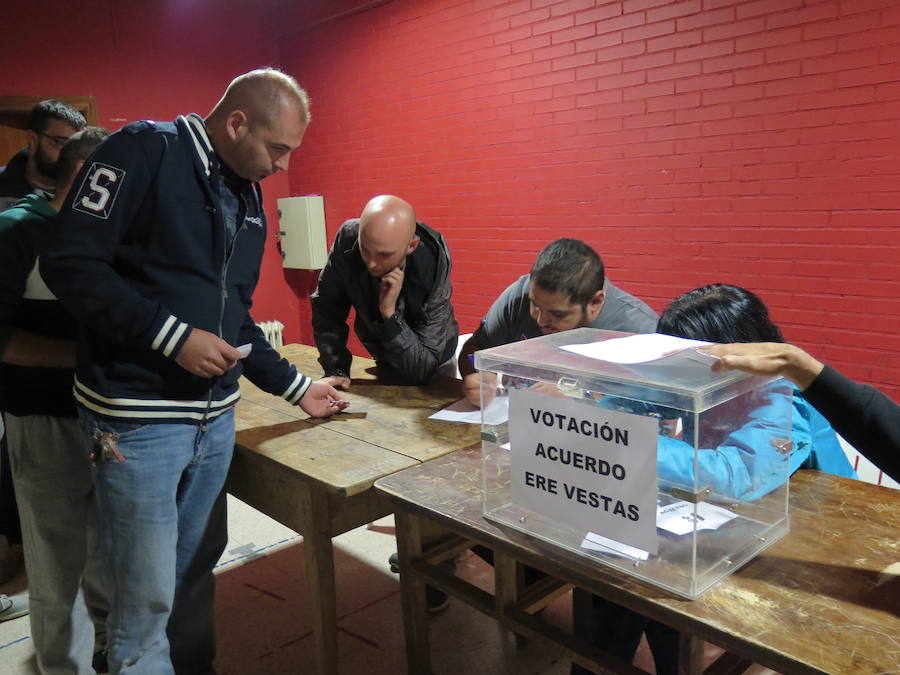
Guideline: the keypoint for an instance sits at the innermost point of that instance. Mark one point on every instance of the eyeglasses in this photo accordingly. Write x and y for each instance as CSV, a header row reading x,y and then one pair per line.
x,y
55,141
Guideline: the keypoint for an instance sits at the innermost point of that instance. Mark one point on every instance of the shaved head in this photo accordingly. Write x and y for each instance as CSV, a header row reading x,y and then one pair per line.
x,y
262,94
258,123
387,234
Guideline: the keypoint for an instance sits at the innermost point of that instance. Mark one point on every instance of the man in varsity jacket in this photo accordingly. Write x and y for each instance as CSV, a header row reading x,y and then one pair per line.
x,y
157,255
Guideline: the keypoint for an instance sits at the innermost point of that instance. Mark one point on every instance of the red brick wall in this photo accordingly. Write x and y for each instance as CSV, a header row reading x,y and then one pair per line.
x,y
754,142
145,59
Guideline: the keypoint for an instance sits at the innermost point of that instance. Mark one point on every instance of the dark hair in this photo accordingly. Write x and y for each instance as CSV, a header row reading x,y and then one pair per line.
x,y
50,109
719,313
570,267
79,147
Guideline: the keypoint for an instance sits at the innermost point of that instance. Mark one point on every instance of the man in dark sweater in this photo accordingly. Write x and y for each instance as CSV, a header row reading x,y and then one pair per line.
x,y
567,288
395,273
48,453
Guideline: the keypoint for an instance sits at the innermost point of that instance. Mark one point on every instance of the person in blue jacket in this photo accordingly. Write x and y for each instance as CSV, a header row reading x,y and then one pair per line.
x,y
723,313
743,463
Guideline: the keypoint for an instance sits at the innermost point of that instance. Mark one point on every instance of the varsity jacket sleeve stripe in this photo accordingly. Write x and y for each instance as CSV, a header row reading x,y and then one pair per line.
x,y
298,387
105,202
176,338
267,369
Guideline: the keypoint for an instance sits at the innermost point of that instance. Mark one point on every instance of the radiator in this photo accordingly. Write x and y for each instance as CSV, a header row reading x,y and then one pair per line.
x,y
273,332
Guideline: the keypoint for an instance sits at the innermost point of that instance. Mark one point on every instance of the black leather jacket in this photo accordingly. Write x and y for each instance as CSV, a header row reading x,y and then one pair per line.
x,y
412,344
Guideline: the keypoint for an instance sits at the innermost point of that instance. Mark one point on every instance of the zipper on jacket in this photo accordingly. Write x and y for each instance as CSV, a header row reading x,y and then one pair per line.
x,y
220,221
228,256
223,287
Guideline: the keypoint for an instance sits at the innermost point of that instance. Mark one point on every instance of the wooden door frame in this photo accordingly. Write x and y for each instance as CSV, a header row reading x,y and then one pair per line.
x,y
14,110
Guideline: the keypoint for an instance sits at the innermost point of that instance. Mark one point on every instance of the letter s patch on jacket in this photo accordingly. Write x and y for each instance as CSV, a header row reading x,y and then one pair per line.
x,y
98,190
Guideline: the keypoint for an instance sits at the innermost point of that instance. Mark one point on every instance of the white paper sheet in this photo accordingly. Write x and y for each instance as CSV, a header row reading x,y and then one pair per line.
x,y
678,517
594,542
244,350
651,347
463,411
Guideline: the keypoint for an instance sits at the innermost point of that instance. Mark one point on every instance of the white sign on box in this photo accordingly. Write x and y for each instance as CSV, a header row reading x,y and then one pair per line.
x,y
584,466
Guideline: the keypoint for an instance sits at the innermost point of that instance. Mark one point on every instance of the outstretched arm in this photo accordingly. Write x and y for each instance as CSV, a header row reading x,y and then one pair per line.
x,y
767,358
864,416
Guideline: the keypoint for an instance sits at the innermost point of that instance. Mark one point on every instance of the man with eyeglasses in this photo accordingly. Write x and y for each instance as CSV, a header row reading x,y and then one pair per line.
x,y
31,170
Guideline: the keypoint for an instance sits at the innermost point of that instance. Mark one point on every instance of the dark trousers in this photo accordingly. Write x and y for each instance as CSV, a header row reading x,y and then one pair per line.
x,y
618,631
9,513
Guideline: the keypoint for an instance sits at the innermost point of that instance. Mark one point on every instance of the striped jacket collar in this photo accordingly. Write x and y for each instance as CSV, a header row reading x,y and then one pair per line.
x,y
202,145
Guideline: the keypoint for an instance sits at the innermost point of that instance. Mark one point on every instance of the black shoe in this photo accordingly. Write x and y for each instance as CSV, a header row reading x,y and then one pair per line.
x,y
436,600
100,662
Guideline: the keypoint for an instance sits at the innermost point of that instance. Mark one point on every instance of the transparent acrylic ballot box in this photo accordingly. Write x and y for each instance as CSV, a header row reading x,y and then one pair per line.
x,y
664,470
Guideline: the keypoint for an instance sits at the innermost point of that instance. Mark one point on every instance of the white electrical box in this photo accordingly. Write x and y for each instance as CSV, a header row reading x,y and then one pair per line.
x,y
302,232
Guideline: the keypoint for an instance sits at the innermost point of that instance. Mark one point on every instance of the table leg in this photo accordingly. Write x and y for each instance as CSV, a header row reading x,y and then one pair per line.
x,y
582,604
508,585
319,555
690,655
412,594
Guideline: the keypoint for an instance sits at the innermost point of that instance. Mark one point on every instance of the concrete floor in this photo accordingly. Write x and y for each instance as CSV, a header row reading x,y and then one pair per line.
x,y
263,626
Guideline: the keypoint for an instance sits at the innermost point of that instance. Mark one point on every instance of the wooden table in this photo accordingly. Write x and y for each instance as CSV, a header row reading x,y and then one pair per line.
x,y
316,476
824,599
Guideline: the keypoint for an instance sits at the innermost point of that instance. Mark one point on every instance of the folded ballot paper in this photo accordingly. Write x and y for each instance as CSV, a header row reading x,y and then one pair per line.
x,y
651,349
678,517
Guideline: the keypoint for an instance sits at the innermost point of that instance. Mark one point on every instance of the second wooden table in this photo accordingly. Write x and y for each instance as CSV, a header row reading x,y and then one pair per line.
x,y
316,476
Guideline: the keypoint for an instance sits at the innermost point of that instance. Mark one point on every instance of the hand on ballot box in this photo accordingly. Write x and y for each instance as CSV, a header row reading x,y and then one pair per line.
x,y
548,389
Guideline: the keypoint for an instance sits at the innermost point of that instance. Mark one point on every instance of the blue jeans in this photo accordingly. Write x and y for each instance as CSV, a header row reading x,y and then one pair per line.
x,y
164,527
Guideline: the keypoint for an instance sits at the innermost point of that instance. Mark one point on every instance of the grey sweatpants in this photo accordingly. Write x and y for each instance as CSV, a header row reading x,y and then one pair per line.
x,y
52,476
